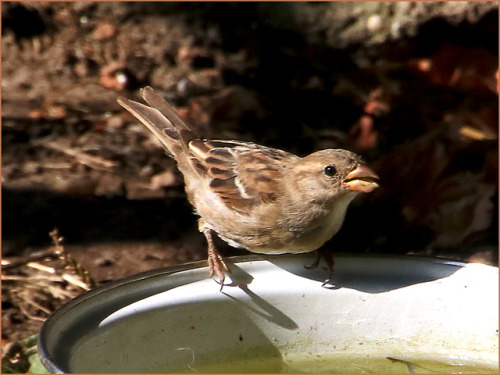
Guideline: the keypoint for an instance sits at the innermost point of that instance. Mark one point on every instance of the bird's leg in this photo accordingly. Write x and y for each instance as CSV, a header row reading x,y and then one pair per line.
x,y
322,254
216,263
327,256
330,263
314,264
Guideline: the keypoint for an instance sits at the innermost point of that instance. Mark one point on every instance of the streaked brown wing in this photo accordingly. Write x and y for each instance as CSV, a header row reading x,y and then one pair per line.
x,y
241,174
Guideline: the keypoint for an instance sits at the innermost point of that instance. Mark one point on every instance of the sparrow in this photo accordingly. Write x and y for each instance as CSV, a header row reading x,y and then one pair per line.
x,y
258,198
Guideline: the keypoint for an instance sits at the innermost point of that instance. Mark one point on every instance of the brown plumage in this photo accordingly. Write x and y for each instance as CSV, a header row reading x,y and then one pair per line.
x,y
254,197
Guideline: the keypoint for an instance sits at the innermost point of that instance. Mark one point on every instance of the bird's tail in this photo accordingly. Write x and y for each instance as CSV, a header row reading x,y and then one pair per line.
x,y
162,120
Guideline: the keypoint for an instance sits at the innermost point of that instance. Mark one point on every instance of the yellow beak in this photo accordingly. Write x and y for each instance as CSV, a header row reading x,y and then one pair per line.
x,y
362,179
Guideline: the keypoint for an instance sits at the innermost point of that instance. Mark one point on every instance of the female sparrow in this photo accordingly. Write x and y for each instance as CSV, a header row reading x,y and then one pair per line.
x,y
258,198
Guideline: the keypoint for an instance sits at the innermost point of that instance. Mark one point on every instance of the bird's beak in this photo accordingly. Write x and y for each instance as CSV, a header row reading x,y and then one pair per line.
x,y
362,179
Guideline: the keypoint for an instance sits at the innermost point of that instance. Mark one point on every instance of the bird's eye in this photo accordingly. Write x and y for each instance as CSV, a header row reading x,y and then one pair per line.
x,y
330,170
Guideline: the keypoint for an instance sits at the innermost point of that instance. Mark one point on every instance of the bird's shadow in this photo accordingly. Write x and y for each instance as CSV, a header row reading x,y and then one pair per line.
x,y
242,279
373,273
366,273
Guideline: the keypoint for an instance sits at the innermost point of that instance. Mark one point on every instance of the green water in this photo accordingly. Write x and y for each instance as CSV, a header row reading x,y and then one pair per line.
x,y
337,364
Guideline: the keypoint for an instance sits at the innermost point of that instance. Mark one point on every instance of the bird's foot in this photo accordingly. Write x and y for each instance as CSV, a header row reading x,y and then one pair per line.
x,y
216,263
330,263
217,266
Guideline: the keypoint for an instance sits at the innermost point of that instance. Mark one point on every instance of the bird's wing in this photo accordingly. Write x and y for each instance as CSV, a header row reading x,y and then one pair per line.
x,y
241,174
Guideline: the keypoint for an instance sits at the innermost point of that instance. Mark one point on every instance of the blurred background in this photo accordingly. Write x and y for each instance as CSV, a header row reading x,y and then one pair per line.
x,y
410,86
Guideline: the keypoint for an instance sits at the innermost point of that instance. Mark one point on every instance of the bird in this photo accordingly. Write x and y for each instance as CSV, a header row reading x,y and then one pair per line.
x,y
258,198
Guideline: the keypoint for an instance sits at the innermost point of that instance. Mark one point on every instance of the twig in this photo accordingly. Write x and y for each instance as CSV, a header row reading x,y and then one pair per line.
x,y
92,161
60,293
32,279
70,262
409,365
35,287
29,299
8,264
41,267
25,311
74,281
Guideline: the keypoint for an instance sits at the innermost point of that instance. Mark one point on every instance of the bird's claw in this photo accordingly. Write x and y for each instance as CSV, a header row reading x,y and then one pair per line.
x,y
330,263
217,266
